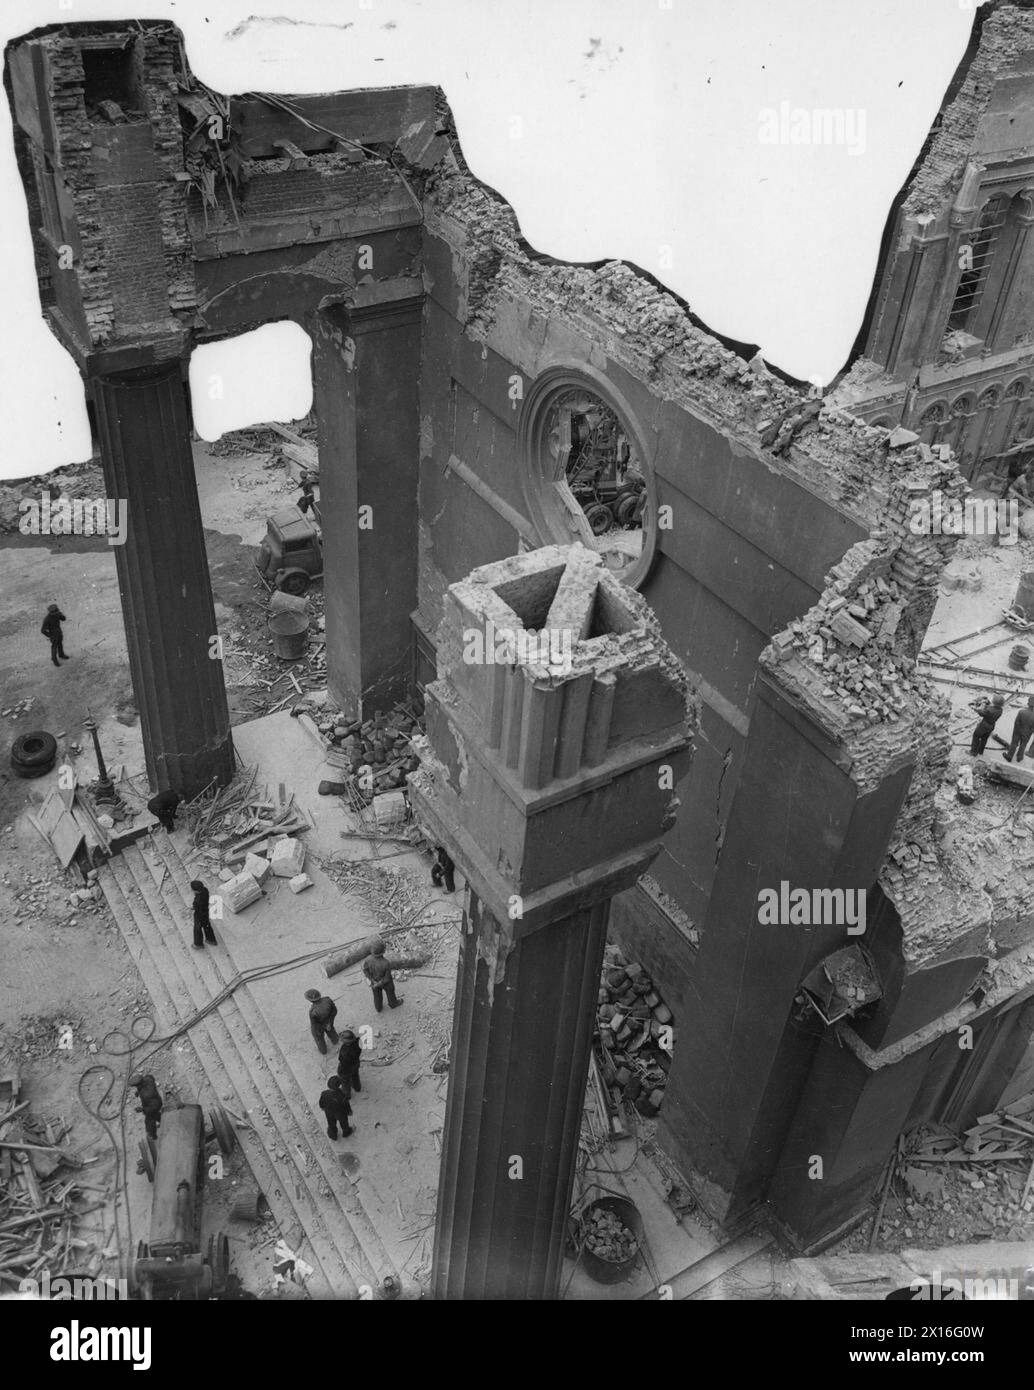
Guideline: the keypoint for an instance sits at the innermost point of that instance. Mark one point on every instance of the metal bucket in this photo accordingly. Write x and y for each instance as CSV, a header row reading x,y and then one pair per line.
x,y
610,1271
288,603
290,635
1025,594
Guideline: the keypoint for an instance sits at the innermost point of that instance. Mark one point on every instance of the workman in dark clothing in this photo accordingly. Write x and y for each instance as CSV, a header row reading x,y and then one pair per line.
x,y
334,1104
51,629
322,1013
1022,729
150,1102
202,923
348,1060
990,712
164,807
442,870
307,501
378,972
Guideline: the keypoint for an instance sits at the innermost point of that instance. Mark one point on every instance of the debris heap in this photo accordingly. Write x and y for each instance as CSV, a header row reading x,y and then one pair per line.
x,y
635,1039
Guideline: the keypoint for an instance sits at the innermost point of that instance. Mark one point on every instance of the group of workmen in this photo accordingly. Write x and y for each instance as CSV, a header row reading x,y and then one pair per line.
x,y
990,711
335,1100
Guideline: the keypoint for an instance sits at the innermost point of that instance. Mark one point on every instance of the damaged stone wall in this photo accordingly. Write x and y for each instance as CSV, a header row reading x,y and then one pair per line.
x,y
117,169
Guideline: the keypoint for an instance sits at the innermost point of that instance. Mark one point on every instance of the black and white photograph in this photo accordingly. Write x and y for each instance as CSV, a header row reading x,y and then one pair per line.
x,y
516,683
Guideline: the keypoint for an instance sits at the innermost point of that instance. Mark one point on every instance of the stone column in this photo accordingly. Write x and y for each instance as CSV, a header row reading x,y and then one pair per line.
x,y
550,785
166,592
367,373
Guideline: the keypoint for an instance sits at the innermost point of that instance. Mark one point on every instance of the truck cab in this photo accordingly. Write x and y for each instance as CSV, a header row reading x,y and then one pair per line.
x,y
290,555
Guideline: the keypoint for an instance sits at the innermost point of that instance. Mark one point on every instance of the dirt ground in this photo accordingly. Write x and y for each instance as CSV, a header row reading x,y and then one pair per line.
x,y
66,964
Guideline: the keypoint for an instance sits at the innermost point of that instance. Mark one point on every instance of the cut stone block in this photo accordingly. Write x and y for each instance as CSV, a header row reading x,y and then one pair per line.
x,y
299,883
255,865
240,892
850,630
288,857
389,808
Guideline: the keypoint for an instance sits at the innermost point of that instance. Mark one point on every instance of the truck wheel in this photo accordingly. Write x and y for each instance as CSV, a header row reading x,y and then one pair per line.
x,y
223,1129
148,1158
625,510
293,581
599,518
219,1261
33,754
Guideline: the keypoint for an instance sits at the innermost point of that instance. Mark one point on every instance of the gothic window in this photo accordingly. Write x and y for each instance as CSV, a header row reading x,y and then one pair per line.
x,y
976,256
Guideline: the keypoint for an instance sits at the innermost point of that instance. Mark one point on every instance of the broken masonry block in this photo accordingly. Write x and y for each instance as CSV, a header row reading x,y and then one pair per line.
x,y
288,857
255,865
900,437
389,808
299,883
849,630
240,892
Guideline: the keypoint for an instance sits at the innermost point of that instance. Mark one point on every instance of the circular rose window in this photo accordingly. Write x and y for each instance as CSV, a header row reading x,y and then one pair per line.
x,y
588,479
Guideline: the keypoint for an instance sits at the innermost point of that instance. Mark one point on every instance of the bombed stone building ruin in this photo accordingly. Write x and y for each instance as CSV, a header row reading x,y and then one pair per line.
x,y
483,401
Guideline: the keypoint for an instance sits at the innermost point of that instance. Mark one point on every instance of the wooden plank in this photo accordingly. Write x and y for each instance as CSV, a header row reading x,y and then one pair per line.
x,y
1009,772
697,1276
368,117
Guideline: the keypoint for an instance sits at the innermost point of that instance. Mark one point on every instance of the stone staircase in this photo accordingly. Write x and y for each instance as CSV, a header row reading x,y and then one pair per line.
x,y
312,1198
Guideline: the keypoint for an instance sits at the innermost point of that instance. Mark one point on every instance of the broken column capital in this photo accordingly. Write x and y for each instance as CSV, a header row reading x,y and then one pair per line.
x,y
556,732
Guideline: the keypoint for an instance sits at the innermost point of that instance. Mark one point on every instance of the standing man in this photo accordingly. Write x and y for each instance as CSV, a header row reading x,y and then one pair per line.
x,y
1023,727
334,1104
348,1060
990,712
202,922
164,807
150,1102
378,972
52,629
322,1013
442,870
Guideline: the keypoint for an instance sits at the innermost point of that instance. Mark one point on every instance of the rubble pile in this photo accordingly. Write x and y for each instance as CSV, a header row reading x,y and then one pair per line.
x,y
850,642
373,756
41,1201
76,480
635,1036
949,1188
242,823
606,1235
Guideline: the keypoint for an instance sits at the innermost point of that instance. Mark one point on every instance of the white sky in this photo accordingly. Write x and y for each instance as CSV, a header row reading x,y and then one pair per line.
x,y
626,129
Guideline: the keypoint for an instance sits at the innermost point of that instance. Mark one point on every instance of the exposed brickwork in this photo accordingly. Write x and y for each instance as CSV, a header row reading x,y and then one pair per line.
x,y
1007,35
272,188
131,231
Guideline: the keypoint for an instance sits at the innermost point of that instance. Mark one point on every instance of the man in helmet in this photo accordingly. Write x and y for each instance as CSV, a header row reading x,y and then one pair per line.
x,y
150,1102
322,1013
334,1104
348,1061
378,972
990,712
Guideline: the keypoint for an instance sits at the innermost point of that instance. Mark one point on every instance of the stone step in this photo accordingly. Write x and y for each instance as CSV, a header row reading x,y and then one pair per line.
x,y
278,1148
274,1183
262,1060
179,898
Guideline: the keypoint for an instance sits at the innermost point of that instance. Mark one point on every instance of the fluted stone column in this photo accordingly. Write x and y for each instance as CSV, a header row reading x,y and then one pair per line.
x,y
164,584
550,785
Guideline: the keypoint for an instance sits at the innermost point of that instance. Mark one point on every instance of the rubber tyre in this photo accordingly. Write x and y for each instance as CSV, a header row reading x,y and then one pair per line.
x,y
219,1261
223,1129
293,581
33,754
599,518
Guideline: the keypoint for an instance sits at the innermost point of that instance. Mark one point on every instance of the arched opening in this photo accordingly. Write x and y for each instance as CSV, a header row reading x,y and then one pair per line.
x,y
588,477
